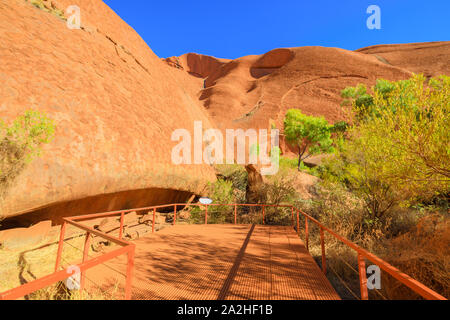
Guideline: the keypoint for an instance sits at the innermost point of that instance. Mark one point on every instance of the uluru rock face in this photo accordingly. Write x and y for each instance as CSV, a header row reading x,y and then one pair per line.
x,y
115,105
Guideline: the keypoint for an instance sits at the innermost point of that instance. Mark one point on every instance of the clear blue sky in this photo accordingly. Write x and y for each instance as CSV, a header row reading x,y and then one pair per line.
x,y
232,29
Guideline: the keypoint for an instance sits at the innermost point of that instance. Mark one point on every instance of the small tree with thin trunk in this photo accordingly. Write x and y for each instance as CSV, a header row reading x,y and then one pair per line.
x,y
311,135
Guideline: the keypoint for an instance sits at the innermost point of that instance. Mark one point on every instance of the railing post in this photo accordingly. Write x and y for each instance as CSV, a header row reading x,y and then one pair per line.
x,y
322,244
154,217
362,277
130,267
121,226
87,242
235,214
263,213
175,215
292,218
298,224
306,233
206,214
60,245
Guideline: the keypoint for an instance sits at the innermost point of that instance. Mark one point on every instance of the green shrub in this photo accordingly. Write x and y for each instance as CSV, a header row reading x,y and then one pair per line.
x,y
221,192
234,173
359,98
337,208
21,142
279,189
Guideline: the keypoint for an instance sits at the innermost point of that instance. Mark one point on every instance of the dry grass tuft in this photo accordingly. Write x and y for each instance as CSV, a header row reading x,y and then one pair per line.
x,y
422,253
49,7
417,247
59,291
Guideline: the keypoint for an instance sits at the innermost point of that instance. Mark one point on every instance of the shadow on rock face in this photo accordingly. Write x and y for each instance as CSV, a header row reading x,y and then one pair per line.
x,y
131,199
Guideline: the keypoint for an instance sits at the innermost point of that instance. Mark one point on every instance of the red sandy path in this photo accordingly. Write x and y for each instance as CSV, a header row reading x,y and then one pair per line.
x,y
223,262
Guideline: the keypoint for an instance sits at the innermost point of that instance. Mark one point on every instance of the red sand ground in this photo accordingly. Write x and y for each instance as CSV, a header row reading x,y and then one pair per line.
x,y
222,262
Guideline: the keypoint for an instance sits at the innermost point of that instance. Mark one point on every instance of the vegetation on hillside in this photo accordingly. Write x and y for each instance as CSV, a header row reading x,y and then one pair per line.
x,y
394,163
398,150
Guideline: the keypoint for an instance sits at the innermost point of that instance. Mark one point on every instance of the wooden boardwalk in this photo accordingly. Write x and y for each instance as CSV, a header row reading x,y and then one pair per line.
x,y
209,262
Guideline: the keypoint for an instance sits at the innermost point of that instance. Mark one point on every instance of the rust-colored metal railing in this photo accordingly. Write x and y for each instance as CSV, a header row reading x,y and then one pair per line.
x,y
363,254
86,264
129,249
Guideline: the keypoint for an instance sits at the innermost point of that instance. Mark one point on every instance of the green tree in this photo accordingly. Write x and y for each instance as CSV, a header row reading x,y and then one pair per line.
x,y
362,173
310,135
412,129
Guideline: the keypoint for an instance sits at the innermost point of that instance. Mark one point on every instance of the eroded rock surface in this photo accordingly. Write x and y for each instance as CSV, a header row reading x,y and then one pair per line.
x,y
115,105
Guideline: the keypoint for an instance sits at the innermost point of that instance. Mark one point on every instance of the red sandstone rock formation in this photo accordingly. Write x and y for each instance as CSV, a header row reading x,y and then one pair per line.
x,y
115,105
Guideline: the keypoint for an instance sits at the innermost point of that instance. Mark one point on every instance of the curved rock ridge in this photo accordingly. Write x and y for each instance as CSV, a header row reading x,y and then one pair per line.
x,y
197,65
115,105
270,62
430,58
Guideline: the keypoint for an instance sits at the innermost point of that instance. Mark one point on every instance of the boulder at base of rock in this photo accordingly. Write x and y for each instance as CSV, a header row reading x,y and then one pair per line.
x,y
304,185
316,160
148,218
23,237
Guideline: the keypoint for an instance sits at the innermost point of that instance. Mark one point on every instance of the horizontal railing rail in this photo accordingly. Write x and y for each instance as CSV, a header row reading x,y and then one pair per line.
x,y
411,283
60,275
129,249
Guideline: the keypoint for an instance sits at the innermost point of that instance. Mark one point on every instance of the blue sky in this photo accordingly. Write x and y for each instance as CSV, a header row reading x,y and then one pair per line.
x,y
232,29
